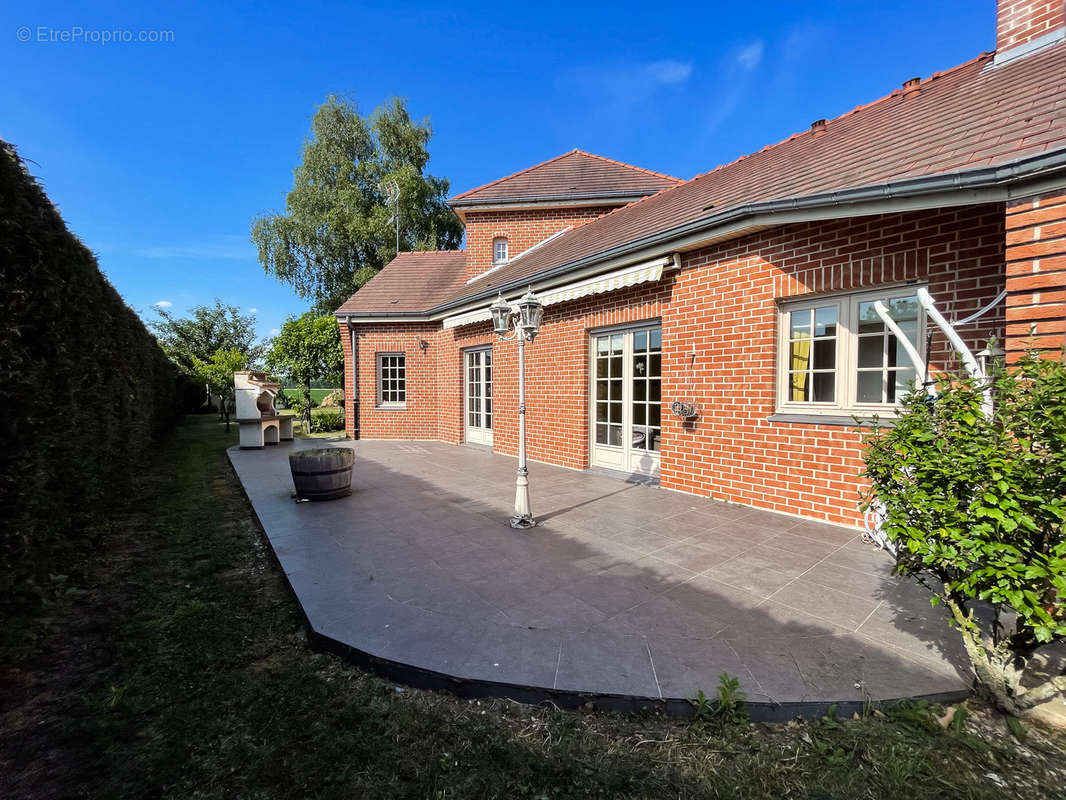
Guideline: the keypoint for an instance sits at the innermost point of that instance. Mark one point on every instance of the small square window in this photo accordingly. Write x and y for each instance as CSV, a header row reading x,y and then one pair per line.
x,y
499,251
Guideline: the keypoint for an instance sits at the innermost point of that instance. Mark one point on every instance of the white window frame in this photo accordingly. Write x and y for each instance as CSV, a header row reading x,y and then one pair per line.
x,y
847,353
506,249
381,393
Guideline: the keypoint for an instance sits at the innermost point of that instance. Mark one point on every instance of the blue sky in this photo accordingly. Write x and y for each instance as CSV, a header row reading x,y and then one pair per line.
x,y
159,155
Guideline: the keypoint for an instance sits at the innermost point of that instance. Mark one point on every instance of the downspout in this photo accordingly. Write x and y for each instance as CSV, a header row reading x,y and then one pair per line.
x,y
355,380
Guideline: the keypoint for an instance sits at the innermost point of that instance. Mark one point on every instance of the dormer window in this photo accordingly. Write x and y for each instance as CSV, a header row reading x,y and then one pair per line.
x,y
499,250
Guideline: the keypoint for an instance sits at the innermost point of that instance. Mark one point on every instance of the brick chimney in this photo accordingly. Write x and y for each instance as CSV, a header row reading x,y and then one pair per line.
x,y
1023,26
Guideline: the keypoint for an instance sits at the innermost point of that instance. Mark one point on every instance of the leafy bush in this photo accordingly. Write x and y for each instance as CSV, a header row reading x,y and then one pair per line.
x,y
976,507
327,420
67,336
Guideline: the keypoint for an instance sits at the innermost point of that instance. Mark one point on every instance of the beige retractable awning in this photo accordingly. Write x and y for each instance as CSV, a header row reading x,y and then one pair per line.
x,y
646,272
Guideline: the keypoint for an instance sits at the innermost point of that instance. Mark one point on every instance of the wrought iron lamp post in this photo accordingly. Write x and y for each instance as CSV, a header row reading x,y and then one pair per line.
x,y
526,321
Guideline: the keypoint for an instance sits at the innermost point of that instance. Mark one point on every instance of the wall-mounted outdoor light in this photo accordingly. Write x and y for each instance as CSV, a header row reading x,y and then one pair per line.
x,y
526,322
423,345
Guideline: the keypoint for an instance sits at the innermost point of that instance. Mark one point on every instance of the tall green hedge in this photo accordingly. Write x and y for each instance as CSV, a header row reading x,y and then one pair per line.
x,y
84,387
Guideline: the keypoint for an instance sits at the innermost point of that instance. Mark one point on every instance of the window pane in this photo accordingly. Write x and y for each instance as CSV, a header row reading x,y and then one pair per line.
x,y
825,321
603,344
655,368
615,435
616,366
640,341
824,387
640,438
870,351
655,339
639,413
601,434
616,412
488,406
616,343
898,388
799,386
654,391
654,415
825,353
616,390
800,324
869,321
640,366
903,309
653,435
601,412
869,387
640,390
601,367
601,390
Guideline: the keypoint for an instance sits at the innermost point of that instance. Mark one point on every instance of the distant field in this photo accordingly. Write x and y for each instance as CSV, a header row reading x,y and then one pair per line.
x,y
316,394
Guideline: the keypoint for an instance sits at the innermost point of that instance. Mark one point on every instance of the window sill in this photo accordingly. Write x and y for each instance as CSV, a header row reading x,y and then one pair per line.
x,y
391,406
845,420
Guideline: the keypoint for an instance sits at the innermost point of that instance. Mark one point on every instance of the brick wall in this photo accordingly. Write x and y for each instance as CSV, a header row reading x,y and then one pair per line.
x,y
1020,21
723,304
522,229
1036,273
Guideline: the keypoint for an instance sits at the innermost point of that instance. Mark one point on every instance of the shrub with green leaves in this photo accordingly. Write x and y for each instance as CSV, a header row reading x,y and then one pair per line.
x,y
976,507
328,419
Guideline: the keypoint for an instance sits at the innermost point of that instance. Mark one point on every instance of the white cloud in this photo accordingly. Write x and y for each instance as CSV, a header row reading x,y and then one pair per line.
x,y
163,304
627,84
750,56
668,72
252,310
226,248
274,331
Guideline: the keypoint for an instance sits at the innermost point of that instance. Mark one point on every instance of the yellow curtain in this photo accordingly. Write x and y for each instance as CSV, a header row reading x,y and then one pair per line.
x,y
801,358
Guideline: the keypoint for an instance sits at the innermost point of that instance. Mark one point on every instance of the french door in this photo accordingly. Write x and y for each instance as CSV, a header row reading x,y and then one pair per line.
x,y
477,408
626,401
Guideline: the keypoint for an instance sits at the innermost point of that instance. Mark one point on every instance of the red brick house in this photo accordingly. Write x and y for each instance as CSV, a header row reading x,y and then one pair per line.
x,y
747,290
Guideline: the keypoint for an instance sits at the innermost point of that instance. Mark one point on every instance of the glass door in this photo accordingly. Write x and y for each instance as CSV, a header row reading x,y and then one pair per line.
x,y
478,396
626,400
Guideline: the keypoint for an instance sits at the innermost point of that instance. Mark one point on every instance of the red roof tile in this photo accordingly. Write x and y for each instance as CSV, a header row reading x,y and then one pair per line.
x,y
410,282
970,116
572,175
973,115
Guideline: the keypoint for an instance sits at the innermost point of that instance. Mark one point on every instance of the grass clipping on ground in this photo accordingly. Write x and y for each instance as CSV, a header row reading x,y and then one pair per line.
x,y
173,663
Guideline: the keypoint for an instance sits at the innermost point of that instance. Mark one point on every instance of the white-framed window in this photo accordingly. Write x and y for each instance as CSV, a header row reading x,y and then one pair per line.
x,y
499,250
392,380
836,355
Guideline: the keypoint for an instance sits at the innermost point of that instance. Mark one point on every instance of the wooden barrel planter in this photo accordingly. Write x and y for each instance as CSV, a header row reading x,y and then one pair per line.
x,y
322,474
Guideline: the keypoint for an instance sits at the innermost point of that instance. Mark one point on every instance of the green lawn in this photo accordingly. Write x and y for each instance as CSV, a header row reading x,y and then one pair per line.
x,y
173,664
316,394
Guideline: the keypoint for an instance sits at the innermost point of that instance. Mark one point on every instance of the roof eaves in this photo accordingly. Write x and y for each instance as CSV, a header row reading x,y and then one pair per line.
x,y
1029,167
528,200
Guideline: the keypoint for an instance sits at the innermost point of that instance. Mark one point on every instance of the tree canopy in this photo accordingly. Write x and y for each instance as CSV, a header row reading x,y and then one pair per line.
x,y
307,349
217,372
337,231
188,340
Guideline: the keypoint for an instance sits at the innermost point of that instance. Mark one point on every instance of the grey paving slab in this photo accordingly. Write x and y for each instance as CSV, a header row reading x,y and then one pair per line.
x,y
623,590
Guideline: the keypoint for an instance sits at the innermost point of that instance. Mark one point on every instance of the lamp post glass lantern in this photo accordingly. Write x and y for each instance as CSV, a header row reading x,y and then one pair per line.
x,y
526,322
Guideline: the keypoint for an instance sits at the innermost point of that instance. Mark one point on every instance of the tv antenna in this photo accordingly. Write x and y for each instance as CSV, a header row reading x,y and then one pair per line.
x,y
391,190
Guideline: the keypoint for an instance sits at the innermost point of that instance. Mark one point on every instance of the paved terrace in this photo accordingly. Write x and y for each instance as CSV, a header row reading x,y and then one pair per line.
x,y
625,594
